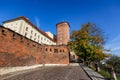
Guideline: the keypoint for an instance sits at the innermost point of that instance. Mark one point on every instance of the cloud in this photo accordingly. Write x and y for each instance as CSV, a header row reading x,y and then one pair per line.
x,y
116,48
37,21
114,45
116,39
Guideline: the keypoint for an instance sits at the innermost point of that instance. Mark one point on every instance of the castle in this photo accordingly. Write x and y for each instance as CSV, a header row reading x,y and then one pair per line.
x,y
22,43
24,27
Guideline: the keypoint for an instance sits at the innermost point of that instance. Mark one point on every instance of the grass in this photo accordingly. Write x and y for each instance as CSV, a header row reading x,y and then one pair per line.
x,y
105,74
118,78
92,68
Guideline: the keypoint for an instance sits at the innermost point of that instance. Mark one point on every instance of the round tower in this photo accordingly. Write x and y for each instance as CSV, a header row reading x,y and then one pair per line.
x,y
63,35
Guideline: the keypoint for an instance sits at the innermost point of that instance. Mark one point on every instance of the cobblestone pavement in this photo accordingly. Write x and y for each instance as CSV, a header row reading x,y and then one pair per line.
x,y
50,73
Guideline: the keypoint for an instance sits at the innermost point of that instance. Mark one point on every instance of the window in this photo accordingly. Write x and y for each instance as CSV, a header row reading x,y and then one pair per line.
x,y
26,28
38,36
50,49
41,38
34,39
35,34
46,49
38,40
55,50
45,39
60,50
25,34
31,31
30,37
13,35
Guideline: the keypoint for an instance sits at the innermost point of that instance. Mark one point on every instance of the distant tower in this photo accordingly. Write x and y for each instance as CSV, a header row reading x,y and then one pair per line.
x,y
63,35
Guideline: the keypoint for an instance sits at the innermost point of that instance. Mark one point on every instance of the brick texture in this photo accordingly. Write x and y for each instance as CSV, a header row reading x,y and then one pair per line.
x,y
16,50
63,35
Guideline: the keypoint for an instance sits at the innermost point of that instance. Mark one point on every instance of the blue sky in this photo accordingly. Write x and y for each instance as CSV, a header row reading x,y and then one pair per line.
x,y
46,13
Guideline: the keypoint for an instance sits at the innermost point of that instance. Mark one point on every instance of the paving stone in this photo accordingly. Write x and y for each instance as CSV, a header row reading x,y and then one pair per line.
x,y
51,73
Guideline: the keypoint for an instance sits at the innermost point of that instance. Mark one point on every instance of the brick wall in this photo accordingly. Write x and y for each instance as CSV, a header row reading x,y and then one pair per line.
x,y
63,35
16,50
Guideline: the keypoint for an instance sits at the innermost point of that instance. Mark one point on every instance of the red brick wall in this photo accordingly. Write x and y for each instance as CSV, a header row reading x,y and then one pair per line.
x,y
16,50
63,35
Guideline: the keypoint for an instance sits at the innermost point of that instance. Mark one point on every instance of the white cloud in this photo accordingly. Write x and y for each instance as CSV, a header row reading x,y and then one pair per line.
x,y
114,45
116,39
37,21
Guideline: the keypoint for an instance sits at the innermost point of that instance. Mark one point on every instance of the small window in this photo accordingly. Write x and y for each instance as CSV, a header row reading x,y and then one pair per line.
x,y
41,38
26,28
46,49
60,50
30,37
35,34
3,32
50,49
55,50
25,34
31,31
14,35
34,39
38,40
28,43
63,50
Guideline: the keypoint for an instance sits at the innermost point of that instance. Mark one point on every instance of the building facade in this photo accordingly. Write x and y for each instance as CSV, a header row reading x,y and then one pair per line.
x,y
24,27
19,46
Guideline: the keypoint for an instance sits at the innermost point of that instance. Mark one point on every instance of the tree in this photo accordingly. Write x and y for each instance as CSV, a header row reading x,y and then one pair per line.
x,y
88,43
115,62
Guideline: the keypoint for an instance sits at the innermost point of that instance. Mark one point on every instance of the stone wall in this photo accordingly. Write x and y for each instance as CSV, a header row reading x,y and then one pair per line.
x,y
16,50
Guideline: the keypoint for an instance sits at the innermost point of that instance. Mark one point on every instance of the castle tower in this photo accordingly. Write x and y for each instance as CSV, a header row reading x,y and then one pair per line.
x,y
63,35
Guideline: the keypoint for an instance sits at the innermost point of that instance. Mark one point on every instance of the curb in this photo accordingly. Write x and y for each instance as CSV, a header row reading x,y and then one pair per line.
x,y
85,71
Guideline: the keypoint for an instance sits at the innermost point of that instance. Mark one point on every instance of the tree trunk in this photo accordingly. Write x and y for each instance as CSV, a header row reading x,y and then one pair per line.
x,y
97,68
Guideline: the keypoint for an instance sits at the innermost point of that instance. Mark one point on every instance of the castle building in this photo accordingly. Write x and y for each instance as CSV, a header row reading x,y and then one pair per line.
x,y
20,44
24,27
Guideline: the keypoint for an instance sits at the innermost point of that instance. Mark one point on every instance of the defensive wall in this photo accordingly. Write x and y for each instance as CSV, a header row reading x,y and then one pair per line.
x,y
17,50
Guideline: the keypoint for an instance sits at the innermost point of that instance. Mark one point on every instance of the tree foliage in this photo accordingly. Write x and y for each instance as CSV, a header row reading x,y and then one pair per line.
x,y
115,62
88,42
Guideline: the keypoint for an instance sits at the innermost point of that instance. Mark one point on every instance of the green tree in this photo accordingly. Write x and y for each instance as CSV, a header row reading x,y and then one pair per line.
x,y
115,62
88,43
